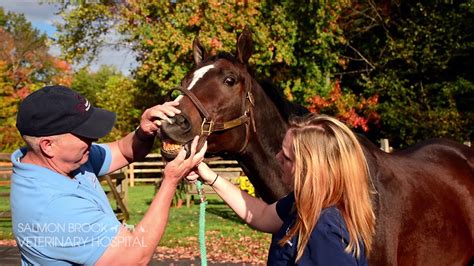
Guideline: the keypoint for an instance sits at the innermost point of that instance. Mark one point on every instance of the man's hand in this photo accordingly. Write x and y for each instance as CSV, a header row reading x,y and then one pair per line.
x,y
136,145
152,117
179,167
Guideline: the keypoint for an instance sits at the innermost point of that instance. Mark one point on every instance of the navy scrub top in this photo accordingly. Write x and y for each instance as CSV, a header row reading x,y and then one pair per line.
x,y
325,246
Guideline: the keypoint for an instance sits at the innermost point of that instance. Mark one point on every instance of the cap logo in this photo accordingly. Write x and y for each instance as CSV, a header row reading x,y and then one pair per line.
x,y
88,105
84,105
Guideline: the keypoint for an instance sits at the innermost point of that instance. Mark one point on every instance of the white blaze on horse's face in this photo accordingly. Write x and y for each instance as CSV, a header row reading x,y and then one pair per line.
x,y
197,75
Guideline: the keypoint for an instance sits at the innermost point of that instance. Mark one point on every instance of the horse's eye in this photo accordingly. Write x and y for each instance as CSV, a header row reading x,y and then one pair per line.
x,y
229,81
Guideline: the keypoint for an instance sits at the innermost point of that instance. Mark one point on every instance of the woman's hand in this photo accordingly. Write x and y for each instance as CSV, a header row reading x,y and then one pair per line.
x,y
202,171
181,167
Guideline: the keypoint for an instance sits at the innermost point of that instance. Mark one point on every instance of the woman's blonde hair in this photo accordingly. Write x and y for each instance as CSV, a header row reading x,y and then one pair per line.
x,y
330,170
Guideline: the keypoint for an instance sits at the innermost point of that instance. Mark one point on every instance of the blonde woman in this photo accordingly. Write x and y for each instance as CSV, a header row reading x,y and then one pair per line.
x,y
328,219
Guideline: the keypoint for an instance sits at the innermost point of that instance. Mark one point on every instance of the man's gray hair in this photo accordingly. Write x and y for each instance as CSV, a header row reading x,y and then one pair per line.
x,y
33,142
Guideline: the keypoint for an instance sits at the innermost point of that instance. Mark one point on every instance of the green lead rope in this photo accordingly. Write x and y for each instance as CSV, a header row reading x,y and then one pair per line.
x,y
202,223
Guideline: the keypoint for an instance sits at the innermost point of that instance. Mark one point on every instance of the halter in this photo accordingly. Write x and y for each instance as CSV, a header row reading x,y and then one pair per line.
x,y
210,125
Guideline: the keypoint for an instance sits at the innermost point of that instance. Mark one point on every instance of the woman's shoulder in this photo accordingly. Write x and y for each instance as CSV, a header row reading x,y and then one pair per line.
x,y
329,240
331,222
330,214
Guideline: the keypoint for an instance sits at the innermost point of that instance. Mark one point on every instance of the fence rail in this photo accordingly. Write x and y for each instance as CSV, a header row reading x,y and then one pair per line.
x,y
151,169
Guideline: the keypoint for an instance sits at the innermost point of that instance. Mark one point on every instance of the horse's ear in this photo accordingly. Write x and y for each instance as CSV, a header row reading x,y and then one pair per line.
x,y
244,45
199,52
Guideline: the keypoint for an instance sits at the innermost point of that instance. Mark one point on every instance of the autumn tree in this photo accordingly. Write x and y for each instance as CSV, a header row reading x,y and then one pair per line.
x,y
373,54
25,66
297,55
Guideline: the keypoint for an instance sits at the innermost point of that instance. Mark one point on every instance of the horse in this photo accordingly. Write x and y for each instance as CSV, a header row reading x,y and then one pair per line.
x,y
424,200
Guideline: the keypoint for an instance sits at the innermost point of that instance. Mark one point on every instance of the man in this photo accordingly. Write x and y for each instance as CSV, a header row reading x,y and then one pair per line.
x,y
61,215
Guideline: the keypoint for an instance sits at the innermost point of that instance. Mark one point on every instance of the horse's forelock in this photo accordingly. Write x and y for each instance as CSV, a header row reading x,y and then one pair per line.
x,y
222,55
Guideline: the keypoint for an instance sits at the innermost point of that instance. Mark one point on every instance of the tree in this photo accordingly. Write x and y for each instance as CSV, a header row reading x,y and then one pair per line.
x,y
109,89
396,52
90,83
119,96
162,34
417,56
25,66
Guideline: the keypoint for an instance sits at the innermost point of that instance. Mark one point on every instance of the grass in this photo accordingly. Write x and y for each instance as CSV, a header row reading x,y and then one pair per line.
x,y
224,230
5,224
183,225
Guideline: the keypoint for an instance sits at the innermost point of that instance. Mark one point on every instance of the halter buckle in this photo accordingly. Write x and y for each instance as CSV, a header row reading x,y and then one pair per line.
x,y
210,126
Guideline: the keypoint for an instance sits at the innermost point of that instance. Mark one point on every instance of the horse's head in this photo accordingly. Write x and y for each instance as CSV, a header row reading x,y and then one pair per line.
x,y
216,102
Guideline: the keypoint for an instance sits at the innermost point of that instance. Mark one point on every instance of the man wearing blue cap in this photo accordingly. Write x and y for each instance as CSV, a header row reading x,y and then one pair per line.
x,y
60,213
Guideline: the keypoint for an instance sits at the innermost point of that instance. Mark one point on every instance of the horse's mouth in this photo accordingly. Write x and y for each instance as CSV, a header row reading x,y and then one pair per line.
x,y
170,148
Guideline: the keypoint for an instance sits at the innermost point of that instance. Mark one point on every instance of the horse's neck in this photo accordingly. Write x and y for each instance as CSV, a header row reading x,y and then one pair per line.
x,y
379,163
258,161
374,156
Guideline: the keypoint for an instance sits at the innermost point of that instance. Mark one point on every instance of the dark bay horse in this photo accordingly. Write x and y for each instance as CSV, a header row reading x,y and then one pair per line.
x,y
425,194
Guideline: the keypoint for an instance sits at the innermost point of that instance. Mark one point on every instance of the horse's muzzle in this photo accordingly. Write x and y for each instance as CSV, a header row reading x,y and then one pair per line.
x,y
175,136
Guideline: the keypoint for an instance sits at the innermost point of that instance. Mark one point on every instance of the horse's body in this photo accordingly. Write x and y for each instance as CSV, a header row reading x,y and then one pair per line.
x,y
425,194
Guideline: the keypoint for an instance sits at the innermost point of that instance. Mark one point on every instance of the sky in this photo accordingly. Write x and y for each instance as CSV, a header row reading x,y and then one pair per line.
x,y
42,16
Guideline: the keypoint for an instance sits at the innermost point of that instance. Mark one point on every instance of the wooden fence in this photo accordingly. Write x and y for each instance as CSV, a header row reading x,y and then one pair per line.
x,y
5,173
150,170
385,146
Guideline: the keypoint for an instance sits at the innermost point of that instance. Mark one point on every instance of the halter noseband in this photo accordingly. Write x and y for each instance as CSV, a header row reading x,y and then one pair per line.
x,y
210,125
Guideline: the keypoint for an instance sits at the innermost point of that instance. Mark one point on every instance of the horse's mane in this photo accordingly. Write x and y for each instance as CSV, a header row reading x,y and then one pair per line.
x,y
286,108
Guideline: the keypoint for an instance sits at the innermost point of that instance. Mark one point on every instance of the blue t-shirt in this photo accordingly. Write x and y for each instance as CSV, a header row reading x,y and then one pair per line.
x,y
326,245
58,220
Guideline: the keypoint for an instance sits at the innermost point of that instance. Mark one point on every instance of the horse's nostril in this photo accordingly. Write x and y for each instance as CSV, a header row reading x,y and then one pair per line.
x,y
182,122
172,120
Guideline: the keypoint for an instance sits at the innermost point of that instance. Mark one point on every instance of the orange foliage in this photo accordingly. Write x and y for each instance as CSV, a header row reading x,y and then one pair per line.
x,y
194,20
24,67
355,112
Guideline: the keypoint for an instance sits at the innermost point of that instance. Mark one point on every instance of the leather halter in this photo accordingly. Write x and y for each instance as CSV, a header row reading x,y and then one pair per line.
x,y
210,125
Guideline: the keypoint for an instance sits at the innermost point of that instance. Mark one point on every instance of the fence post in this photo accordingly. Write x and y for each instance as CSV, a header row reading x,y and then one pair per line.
x,y
131,170
384,145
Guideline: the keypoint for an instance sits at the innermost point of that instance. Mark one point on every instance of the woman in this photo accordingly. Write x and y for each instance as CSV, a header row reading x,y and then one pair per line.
x,y
328,219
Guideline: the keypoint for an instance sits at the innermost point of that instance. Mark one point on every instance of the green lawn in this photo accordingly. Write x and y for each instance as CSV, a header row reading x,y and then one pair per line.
x,y
5,224
182,231
224,230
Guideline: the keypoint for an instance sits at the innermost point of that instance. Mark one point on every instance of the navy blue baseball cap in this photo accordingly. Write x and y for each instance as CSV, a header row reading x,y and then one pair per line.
x,y
54,110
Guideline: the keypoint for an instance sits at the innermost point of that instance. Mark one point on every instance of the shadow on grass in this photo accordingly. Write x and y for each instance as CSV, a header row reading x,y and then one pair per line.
x,y
225,213
217,201
219,208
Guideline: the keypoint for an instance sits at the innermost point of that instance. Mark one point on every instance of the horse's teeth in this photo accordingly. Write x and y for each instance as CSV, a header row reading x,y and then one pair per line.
x,y
171,146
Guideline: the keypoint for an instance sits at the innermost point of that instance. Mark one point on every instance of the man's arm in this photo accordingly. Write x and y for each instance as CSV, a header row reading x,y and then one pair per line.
x,y
137,144
137,247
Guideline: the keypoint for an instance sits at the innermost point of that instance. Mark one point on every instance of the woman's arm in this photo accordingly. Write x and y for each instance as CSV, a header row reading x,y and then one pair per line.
x,y
255,212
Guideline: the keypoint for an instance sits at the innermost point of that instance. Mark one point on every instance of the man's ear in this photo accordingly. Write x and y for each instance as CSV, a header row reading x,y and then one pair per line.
x,y
46,146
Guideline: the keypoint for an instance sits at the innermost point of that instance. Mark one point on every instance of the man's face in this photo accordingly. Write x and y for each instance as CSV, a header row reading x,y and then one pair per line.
x,y
286,159
71,152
